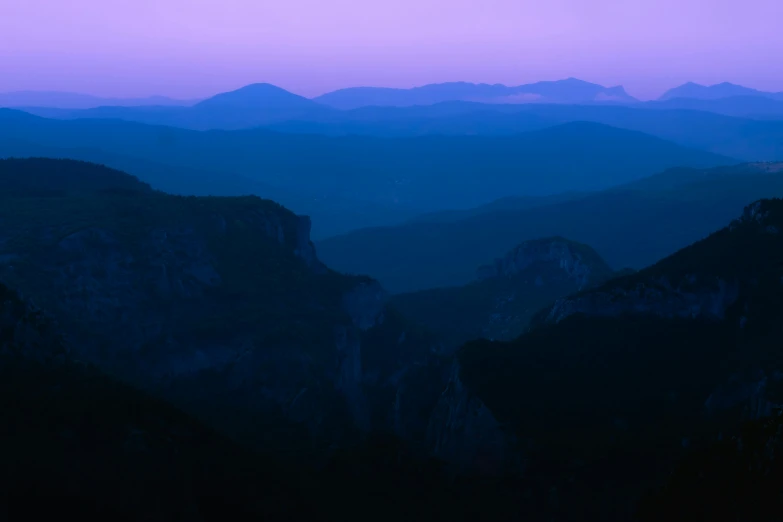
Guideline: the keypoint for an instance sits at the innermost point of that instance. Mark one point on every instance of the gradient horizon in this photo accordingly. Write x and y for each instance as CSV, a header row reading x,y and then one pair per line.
x,y
196,48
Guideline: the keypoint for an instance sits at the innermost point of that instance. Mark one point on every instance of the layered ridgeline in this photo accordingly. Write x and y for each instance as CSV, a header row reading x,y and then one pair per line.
x,y
344,182
570,90
221,306
250,106
331,215
630,226
264,104
613,385
730,126
753,107
727,126
506,294
76,101
427,173
723,98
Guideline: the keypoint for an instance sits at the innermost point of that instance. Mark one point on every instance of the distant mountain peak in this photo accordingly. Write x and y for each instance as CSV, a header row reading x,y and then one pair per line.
x,y
715,91
256,95
572,79
261,87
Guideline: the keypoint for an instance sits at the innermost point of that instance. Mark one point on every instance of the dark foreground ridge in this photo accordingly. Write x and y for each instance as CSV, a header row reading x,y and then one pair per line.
x,y
194,360
77,443
615,384
220,307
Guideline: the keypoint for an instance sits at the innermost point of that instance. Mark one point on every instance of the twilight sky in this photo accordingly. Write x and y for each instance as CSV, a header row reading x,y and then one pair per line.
x,y
195,48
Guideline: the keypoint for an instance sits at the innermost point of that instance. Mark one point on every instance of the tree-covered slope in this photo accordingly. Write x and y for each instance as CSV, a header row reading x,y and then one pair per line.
x,y
736,478
78,444
614,384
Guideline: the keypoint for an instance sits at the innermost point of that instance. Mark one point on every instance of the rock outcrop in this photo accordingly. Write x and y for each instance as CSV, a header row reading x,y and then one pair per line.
x,y
657,296
506,294
634,373
563,259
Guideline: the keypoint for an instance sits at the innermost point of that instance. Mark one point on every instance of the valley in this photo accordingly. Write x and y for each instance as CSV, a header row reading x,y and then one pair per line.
x,y
548,301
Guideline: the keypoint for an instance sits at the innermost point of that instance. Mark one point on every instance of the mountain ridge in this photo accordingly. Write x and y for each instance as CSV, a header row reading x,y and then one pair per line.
x,y
568,90
747,128
627,226
256,95
652,367
740,106
715,91
70,100
424,173
507,293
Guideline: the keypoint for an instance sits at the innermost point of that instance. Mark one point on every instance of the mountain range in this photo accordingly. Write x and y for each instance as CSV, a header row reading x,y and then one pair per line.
x,y
401,175
202,340
738,137
746,106
251,106
264,95
69,100
717,91
193,358
614,385
264,104
570,90
629,226
747,127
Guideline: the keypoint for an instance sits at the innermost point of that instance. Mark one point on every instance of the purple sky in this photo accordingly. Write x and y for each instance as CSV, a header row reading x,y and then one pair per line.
x,y
194,48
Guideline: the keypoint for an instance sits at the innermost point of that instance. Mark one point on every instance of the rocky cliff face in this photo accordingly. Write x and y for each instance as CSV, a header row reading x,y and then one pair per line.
x,y
507,293
709,299
732,279
206,301
465,433
685,285
222,306
461,429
